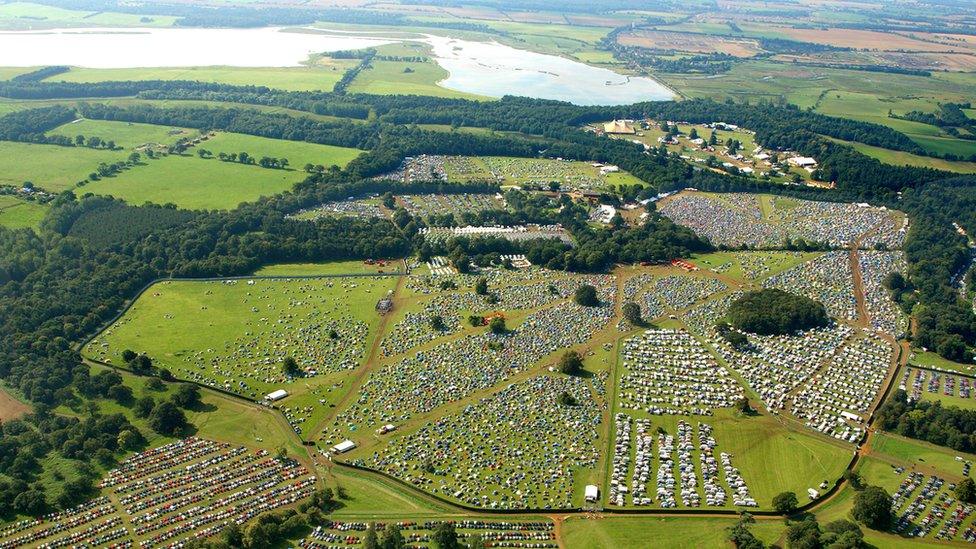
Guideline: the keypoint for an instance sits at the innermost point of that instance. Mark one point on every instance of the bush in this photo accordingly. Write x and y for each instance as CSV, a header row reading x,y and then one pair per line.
x,y
772,312
497,325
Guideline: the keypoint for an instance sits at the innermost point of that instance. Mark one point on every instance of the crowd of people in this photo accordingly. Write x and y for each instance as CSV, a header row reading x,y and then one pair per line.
x,y
669,372
166,495
740,219
514,449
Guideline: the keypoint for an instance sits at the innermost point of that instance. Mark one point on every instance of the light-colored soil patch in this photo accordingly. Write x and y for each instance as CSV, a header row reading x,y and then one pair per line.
x,y
10,407
686,42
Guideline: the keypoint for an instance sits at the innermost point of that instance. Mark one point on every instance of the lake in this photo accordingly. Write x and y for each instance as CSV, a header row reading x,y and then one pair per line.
x,y
482,68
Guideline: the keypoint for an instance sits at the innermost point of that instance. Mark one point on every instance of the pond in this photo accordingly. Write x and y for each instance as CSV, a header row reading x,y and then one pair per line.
x,y
482,68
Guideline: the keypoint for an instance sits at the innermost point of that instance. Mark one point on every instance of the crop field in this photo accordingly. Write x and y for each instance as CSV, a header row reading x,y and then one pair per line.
x,y
16,213
321,76
695,43
234,335
51,167
125,134
196,183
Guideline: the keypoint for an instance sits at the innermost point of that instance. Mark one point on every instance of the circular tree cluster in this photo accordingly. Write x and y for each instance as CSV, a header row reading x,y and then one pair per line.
x,y
772,312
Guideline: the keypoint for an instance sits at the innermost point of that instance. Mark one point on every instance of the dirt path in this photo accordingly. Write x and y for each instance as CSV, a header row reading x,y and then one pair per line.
x,y
360,374
863,319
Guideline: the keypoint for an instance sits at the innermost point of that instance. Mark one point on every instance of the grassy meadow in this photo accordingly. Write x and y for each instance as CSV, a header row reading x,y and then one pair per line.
x,y
17,214
222,334
196,183
127,135
50,167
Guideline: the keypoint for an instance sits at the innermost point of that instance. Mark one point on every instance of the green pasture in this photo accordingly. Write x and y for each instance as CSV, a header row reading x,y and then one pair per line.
x,y
196,183
321,76
6,73
327,269
900,158
173,322
16,213
50,167
127,135
908,453
933,360
731,266
27,15
586,532
405,78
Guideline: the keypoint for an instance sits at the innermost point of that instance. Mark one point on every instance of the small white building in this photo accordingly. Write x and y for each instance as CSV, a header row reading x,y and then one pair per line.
x,y
591,493
803,161
813,494
343,447
276,395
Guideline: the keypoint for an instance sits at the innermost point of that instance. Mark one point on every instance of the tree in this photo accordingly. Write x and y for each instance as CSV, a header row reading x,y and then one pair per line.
x,y
497,325
290,368
476,321
803,534
566,399
571,363
446,536
481,286
785,503
154,384
632,313
187,395
370,540
128,355
144,406
167,419
437,323
31,503
475,542
392,538
772,311
586,296
966,490
872,507
841,534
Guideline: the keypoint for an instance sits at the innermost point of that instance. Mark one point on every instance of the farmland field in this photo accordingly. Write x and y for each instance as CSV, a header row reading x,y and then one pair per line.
x,y
321,76
16,213
196,183
50,167
126,135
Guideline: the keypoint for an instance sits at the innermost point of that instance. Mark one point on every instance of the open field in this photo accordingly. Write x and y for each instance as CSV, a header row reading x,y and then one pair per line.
x,y
900,158
195,183
321,76
125,134
404,78
695,43
328,269
932,360
26,15
51,167
16,213
220,334
677,532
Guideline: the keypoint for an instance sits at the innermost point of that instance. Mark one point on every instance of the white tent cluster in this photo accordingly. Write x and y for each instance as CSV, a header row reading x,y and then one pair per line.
x,y
514,449
835,401
458,367
670,372
360,208
884,313
827,279
426,205
165,496
775,365
734,219
334,534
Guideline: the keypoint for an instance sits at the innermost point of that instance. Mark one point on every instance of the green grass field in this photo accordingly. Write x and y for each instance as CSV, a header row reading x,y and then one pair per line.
x,y
393,78
195,183
327,269
932,360
672,532
731,264
908,452
16,213
125,134
900,158
50,167
321,76
221,334
23,15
